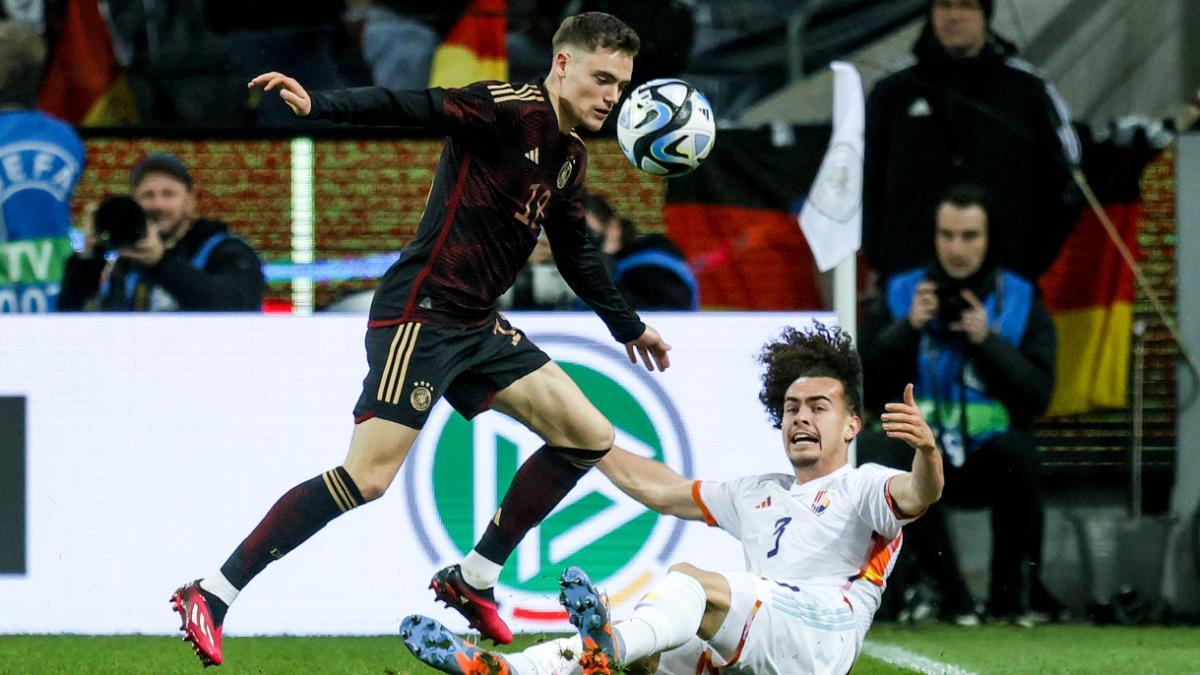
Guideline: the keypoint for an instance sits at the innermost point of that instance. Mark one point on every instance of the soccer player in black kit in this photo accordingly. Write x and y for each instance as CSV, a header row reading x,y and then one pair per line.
x,y
511,166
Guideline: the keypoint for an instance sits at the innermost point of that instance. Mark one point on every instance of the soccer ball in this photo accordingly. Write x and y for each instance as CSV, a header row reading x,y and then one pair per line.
x,y
666,127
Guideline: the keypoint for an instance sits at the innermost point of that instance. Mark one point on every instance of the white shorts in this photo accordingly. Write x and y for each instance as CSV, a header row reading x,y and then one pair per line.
x,y
773,629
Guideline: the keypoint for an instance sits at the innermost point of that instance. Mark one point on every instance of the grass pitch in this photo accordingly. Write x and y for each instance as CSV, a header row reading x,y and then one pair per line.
x,y
987,649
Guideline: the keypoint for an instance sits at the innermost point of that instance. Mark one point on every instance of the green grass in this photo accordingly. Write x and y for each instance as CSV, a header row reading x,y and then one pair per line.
x,y
1051,649
989,649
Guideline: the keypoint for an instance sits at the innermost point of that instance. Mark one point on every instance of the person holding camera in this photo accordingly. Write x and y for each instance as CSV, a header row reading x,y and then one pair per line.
x,y
149,252
979,344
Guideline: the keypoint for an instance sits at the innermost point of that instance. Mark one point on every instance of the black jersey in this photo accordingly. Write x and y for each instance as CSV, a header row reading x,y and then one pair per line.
x,y
506,171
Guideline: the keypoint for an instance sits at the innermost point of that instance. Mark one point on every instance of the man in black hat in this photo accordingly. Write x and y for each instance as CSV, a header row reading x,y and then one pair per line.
x,y
967,111
179,262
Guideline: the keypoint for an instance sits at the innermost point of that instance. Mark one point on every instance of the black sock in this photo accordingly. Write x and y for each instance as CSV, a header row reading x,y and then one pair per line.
x,y
216,606
298,515
540,484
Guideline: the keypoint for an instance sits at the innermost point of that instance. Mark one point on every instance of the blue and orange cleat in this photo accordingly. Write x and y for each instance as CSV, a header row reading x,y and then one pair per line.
x,y
437,647
198,625
478,606
588,613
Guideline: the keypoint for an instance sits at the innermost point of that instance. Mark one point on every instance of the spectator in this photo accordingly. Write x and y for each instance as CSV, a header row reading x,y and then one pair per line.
x,y
41,159
980,347
182,262
967,111
400,38
649,270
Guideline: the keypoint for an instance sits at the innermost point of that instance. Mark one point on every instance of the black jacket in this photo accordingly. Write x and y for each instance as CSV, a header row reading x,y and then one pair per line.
x,y
231,280
990,120
1022,377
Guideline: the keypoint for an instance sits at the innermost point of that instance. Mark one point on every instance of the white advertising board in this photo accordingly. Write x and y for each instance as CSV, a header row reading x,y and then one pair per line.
x,y
154,444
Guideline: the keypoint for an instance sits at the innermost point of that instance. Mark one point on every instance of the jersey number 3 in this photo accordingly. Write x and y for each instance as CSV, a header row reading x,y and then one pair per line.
x,y
779,527
535,206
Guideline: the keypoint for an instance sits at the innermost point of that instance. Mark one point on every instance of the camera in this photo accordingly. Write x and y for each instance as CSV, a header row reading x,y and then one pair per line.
x,y
120,222
951,304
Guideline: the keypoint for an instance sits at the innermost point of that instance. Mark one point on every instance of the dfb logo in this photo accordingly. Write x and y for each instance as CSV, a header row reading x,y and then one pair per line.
x,y
460,470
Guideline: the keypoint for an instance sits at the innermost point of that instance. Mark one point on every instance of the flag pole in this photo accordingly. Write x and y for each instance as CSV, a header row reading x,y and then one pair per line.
x,y
845,304
845,296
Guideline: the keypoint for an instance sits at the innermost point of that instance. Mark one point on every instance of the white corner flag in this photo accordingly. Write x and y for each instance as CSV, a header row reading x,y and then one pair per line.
x,y
831,219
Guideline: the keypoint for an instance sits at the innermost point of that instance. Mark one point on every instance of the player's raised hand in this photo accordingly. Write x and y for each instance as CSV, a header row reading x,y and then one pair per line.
x,y
289,90
905,421
652,349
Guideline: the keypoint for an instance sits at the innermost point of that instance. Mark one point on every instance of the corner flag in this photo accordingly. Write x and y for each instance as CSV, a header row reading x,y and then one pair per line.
x,y
831,219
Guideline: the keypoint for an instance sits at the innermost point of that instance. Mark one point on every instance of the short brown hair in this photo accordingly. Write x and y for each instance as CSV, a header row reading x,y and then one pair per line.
x,y
593,30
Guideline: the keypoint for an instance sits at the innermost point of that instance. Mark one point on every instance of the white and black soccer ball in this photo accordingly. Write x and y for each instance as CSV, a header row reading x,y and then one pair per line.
x,y
666,127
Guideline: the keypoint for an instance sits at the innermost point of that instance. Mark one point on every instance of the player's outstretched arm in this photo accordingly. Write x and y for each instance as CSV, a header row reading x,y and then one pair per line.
x,y
915,491
650,483
290,91
652,348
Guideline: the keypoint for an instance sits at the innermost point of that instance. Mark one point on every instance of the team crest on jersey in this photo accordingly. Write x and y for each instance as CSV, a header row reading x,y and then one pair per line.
x,y
821,501
564,174
421,397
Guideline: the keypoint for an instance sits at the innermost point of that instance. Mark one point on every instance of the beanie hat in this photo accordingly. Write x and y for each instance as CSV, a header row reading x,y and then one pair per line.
x,y
160,162
989,8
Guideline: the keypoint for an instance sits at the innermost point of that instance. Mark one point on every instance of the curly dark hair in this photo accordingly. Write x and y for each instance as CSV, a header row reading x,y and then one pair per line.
x,y
819,351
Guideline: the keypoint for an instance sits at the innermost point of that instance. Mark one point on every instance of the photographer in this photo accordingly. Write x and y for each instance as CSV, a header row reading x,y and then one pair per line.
x,y
980,346
166,259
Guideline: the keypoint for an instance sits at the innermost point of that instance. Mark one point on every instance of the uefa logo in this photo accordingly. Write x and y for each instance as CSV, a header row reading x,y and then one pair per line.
x,y
459,471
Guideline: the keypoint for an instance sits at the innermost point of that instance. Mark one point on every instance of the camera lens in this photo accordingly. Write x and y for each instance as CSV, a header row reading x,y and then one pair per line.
x,y
120,222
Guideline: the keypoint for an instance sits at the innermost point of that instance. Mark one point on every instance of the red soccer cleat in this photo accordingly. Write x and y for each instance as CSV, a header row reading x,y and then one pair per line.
x,y
478,606
198,625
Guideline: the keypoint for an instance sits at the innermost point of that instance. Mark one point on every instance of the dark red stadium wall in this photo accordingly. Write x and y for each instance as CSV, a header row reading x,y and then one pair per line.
x,y
244,182
368,193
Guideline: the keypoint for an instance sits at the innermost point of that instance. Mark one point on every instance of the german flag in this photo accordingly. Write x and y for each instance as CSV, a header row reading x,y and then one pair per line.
x,y
734,218
475,47
83,83
1090,289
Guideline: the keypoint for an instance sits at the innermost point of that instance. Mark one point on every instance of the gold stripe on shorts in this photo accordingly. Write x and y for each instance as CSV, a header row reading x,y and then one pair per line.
x,y
391,359
406,337
394,399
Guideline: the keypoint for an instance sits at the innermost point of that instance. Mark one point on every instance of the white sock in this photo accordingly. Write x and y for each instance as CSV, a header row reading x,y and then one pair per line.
x,y
480,572
219,586
668,616
548,658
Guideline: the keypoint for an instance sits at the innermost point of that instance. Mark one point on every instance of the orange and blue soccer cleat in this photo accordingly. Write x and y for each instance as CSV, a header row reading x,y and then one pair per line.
x,y
478,606
587,612
198,625
437,647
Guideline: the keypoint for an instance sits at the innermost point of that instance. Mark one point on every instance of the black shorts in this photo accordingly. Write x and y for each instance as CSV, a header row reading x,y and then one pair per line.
x,y
412,364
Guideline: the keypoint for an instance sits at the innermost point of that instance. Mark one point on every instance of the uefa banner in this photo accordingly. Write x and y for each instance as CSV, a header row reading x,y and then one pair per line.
x,y
153,444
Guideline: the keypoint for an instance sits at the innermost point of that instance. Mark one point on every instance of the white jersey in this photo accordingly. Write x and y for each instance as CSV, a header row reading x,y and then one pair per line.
x,y
840,532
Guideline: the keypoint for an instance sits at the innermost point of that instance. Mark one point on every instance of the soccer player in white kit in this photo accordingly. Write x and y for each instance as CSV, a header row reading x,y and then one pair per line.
x,y
818,542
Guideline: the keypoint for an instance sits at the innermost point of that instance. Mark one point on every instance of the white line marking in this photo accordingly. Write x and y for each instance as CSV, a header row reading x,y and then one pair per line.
x,y
899,656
